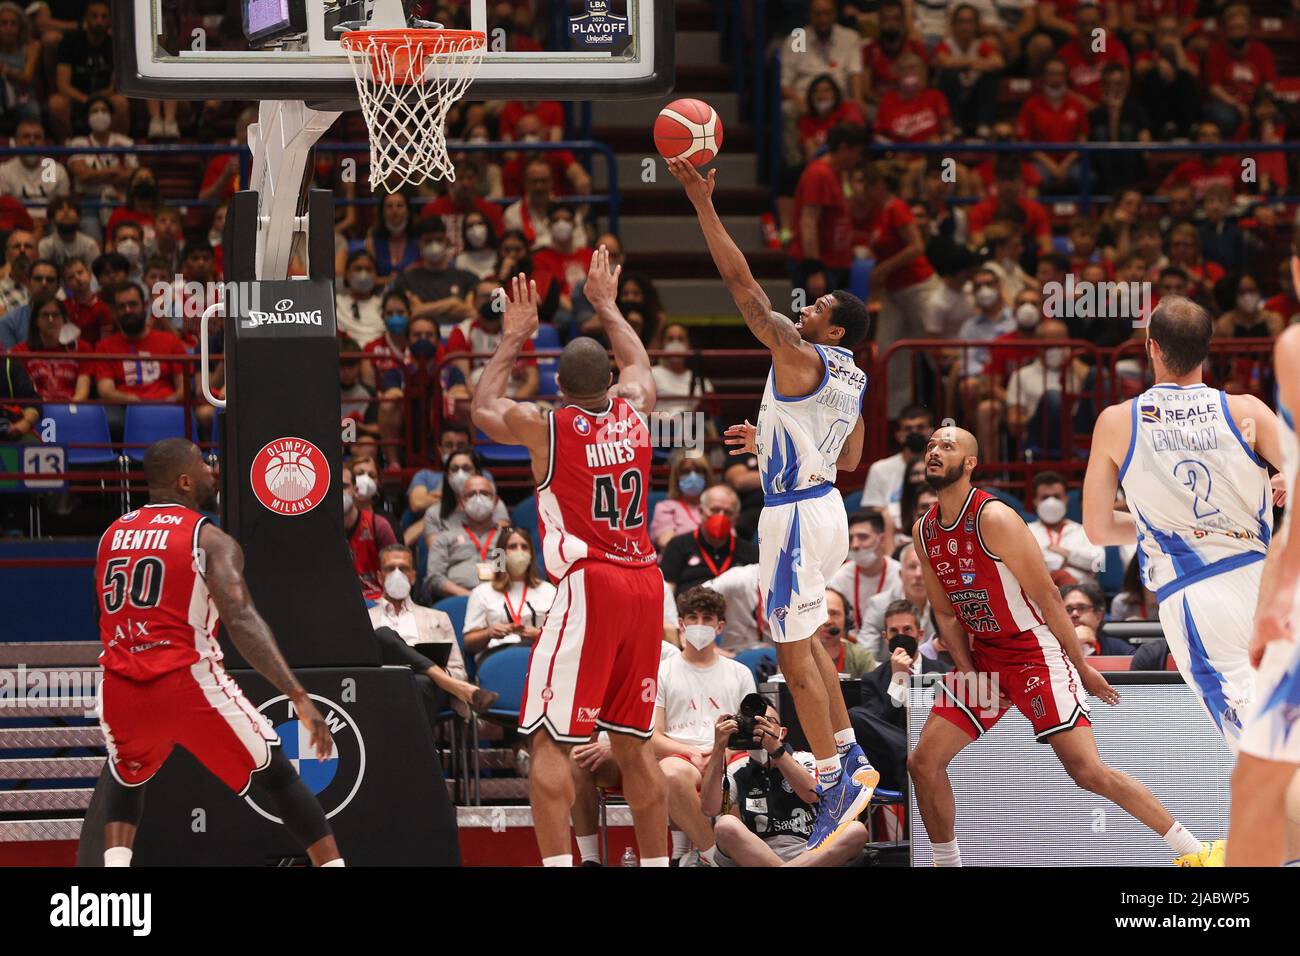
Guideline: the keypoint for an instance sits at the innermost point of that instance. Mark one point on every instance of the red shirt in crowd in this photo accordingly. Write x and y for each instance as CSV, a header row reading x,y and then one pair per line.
x,y
385,356
455,218
122,214
1009,351
1239,77
1286,306
567,268
1272,164
820,185
813,128
512,173
1221,171
1083,70
880,65
1028,172
94,318
916,119
1041,122
213,172
884,234
370,535
145,376
55,380
1037,222
549,112
1148,10
479,339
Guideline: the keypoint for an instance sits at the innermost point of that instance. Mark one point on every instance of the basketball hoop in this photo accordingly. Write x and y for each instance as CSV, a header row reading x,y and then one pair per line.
x,y
407,80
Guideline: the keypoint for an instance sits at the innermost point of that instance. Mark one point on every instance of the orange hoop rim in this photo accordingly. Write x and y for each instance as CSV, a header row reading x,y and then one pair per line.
x,y
443,41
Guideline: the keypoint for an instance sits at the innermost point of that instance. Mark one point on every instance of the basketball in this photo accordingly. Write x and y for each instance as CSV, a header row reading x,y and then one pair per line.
x,y
689,129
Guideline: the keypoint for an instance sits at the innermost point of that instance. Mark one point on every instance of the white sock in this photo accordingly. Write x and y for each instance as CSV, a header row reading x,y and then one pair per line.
x,y
565,859
844,739
117,856
947,854
828,772
707,855
1181,841
589,848
337,861
655,861
681,844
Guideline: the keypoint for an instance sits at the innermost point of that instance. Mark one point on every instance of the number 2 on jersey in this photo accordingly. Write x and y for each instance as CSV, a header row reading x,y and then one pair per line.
x,y
604,500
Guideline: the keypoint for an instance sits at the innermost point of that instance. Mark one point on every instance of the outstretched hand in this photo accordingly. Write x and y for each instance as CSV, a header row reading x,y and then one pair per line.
x,y
698,189
521,308
744,436
602,284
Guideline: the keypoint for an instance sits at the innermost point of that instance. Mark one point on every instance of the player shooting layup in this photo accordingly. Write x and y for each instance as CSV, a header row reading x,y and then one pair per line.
x,y
1200,506
597,659
809,425
1265,785
1004,623
165,575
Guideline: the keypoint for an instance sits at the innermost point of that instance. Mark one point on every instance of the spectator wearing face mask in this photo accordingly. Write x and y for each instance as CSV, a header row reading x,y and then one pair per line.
x,y
140,379
369,493
1007,245
1010,350
826,109
391,240
880,722
142,202
680,389
358,309
367,534
401,625
549,112
357,405
880,56
692,558
460,556
463,199
869,569
1070,556
562,263
436,289
483,336
33,178
408,387
104,175
478,254
746,625
1055,115
67,241
689,473
911,586
1235,67
568,178
425,489
1202,172
992,318
392,346
458,466
511,607
1222,241
1033,397
884,484
969,68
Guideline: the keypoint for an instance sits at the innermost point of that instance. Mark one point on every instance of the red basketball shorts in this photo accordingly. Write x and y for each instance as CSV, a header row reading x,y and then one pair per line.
x,y
1031,671
596,662
200,707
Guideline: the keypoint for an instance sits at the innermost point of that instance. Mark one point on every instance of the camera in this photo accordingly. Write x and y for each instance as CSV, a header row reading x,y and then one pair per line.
x,y
906,641
751,707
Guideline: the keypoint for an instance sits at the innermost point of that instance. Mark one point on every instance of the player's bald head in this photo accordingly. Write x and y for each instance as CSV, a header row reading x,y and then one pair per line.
x,y
965,441
584,368
167,460
949,456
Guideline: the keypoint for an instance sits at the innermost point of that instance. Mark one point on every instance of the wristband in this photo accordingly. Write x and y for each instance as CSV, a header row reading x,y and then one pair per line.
x,y
778,753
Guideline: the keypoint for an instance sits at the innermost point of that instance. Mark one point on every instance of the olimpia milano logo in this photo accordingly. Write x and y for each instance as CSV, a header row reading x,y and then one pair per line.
x,y
335,777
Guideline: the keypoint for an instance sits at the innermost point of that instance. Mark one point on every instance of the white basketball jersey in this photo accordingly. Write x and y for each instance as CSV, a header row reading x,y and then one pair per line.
x,y
799,439
1200,495
1290,456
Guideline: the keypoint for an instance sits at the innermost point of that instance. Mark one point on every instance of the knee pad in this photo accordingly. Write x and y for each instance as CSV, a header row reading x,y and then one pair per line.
x,y
275,776
300,812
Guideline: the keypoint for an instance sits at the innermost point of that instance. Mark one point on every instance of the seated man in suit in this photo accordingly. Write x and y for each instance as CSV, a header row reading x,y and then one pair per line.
x,y
880,722
1086,606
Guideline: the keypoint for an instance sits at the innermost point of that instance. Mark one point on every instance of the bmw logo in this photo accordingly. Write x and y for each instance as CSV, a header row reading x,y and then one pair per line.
x,y
335,777
581,425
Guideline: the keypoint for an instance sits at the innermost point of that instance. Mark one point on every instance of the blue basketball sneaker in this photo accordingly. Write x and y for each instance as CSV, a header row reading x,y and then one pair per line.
x,y
840,805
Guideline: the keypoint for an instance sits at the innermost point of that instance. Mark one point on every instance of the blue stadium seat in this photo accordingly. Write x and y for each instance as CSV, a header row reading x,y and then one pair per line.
x,y
547,386
1013,501
853,501
525,516
454,608
505,671
754,657
653,499
1074,504
1111,577
82,425
548,337
146,424
490,451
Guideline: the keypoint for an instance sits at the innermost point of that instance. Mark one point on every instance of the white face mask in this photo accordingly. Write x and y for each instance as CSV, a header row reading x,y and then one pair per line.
x,y
676,345
362,282
397,585
457,480
985,297
823,106
130,249
1027,316
365,487
100,121
864,557
433,251
699,636
1050,510
1248,302
476,235
69,334
479,507
562,231
1054,358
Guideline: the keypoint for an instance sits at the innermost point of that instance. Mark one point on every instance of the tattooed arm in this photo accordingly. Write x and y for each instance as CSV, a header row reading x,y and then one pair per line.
x,y
796,363
223,570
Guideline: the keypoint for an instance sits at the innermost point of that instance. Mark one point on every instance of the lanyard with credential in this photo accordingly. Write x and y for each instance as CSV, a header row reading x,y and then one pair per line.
x,y
731,552
517,616
482,548
857,596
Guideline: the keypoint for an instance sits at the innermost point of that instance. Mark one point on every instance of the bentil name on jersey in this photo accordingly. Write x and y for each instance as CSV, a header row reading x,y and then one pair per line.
x,y
972,606
142,539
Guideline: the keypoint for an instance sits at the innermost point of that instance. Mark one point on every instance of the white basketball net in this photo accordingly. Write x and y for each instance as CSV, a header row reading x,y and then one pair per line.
x,y
407,80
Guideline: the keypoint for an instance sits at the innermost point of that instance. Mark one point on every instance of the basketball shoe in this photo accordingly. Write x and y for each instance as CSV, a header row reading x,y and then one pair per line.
x,y
841,804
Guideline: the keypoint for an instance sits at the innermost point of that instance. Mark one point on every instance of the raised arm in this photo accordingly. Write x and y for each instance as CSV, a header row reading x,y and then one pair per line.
x,y
221,563
635,383
503,419
775,331
1101,522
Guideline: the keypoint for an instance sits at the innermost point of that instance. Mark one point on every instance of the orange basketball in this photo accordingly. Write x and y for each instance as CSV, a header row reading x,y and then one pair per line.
x,y
689,129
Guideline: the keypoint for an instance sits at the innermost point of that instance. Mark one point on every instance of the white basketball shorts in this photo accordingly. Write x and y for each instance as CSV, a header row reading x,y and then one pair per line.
x,y
803,538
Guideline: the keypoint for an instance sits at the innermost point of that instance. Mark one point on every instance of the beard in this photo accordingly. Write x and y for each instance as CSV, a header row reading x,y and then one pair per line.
x,y
946,478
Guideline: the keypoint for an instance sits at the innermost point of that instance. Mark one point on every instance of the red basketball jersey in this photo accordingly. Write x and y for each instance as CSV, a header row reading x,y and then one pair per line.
x,y
592,504
989,602
155,615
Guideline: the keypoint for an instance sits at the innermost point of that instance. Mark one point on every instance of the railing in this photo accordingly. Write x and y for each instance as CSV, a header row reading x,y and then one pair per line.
x,y
586,147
